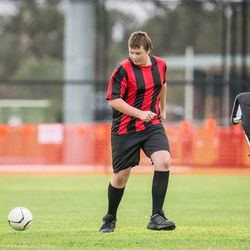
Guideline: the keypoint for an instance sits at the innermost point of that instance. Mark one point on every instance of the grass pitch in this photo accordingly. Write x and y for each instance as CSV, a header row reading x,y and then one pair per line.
x,y
211,212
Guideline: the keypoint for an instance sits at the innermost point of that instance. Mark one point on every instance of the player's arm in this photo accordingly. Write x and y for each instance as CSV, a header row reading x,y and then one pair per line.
x,y
163,97
120,105
234,118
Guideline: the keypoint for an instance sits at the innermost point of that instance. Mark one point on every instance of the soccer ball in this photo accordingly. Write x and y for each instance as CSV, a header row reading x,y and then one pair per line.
x,y
20,218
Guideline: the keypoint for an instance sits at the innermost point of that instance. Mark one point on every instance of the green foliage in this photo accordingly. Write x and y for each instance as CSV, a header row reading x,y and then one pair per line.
x,y
10,55
34,33
39,29
112,29
186,25
211,212
47,69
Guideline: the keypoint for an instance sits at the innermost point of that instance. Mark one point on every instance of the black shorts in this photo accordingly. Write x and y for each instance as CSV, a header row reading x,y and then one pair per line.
x,y
126,147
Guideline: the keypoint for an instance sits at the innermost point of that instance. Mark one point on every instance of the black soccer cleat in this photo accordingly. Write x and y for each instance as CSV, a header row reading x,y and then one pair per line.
x,y
160,222
109,223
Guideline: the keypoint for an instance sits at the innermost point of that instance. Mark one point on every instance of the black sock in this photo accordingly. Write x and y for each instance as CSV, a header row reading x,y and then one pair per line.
x,y
114,198
159,190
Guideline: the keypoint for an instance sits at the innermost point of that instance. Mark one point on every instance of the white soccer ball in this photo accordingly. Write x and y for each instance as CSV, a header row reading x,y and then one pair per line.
x,y
20,218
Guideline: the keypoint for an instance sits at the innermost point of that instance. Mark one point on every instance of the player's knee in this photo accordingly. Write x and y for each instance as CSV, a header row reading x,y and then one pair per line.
x,y
163,164
166,164
119,180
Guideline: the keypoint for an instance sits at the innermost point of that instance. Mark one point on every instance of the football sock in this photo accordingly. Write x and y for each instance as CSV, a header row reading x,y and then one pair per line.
x,y
114,198
159,190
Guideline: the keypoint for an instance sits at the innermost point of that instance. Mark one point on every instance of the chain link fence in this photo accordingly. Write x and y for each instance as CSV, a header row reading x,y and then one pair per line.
x,y
60,54
56,57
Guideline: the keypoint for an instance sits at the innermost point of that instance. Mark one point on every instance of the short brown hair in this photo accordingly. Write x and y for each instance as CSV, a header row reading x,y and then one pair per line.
x,y
138,39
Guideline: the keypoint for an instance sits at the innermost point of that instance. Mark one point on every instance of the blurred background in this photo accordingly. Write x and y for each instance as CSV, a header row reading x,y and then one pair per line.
x,y
56,57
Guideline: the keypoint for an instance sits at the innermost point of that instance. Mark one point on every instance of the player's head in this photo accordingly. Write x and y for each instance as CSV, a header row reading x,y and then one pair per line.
x,y
139,47
140,39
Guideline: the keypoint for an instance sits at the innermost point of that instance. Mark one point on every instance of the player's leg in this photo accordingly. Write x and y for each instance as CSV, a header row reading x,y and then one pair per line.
x,y
161,161
125,154
115,193
157,148
116,190
158,221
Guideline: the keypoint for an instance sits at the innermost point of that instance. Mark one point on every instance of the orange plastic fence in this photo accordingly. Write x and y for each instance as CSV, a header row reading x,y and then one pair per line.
x,y
89,144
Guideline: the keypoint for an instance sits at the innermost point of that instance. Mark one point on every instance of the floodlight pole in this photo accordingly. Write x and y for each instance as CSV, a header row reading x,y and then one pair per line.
x,y
244,42
226,15
79,61
189,88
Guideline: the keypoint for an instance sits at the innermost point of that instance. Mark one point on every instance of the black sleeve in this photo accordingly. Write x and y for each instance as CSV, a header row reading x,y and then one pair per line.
x,y
234,110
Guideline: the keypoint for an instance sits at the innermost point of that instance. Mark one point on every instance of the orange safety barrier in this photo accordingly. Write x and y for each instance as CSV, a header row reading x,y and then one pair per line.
x,y
20,145
204,147
89,144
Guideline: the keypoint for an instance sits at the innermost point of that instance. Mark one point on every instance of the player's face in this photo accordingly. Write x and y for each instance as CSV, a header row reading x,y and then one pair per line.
x,y
139,56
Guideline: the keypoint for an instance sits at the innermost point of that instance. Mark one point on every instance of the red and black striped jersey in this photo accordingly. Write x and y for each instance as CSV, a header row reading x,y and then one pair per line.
x,y
140,87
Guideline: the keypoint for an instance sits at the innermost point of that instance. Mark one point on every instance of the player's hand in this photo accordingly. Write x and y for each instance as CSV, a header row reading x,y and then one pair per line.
x,y
147,116
237,120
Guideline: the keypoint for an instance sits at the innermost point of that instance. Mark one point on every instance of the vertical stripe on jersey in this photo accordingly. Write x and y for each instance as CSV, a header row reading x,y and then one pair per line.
x,y
146,99
157,80
118,118
140,84
128,123
116,85
117,89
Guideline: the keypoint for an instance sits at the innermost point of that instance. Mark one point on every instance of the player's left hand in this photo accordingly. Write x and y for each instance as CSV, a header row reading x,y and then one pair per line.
x,y
147,116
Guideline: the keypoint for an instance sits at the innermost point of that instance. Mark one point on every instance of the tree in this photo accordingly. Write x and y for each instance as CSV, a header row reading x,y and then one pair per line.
x,y
35,32
182,25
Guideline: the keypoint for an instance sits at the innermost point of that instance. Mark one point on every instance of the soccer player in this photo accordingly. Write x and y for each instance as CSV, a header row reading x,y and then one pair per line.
x,y
241,113
137,93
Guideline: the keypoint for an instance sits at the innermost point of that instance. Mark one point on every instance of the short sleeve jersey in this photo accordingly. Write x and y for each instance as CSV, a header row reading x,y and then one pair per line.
x,y
140,87
242,102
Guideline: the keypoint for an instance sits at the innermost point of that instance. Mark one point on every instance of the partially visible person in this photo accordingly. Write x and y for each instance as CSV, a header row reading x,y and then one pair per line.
x,y
241,113
137,93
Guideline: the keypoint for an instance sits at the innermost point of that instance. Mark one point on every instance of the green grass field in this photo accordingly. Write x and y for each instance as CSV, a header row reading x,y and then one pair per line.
x,y
211,212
